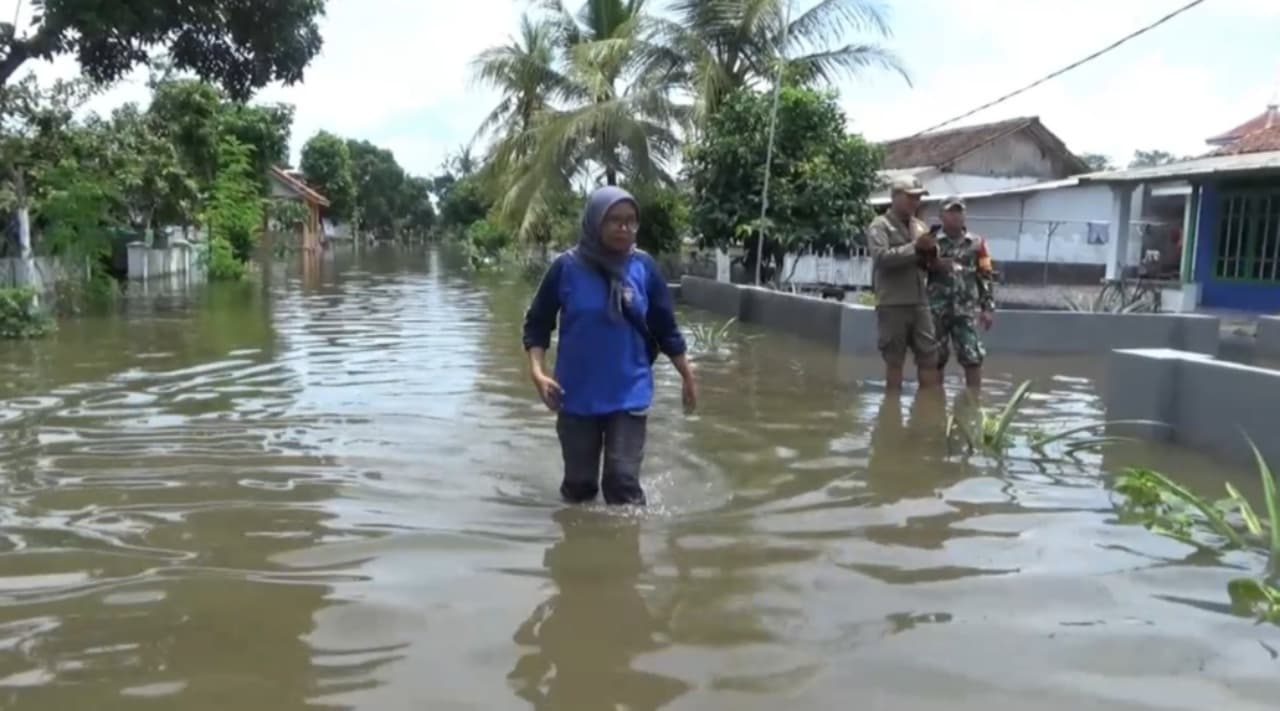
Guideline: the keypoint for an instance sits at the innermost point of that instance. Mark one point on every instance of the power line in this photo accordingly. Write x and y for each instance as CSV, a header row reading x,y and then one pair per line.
x,y
1064,70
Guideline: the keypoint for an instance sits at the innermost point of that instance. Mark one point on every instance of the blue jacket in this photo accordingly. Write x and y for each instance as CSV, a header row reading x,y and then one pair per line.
x,y
603,362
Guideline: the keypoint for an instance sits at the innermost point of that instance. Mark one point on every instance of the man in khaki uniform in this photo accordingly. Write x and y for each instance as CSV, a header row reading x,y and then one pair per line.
x,y
900,245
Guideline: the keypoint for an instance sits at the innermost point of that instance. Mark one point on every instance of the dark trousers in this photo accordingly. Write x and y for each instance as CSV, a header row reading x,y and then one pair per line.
x,y
620,437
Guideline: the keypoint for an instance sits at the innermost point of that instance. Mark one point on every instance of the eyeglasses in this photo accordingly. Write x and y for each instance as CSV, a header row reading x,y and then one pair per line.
x,y
630,224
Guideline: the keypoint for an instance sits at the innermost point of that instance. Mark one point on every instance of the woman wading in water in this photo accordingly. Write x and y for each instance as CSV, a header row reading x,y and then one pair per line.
x,y
616,315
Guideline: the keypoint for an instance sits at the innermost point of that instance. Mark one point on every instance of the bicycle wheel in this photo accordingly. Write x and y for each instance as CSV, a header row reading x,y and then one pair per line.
x,y
1112,298
1147,299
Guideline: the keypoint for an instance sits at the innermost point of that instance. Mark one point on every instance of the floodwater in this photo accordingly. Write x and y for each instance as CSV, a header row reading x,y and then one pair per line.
x,y
340,492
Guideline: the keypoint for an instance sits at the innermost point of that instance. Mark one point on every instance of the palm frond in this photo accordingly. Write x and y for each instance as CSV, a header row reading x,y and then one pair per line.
x,y
831,66
832,20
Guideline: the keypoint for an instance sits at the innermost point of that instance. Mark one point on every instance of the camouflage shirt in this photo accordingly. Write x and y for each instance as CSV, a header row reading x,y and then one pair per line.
x,y
969,286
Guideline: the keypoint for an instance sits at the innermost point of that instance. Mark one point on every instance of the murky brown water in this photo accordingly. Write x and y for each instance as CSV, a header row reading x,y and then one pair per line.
x,y
343,495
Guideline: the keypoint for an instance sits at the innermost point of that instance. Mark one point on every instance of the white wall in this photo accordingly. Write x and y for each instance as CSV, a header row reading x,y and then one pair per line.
x,y
1017,227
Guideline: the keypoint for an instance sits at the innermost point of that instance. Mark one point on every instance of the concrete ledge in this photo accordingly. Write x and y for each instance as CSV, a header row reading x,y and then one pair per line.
x,y
1269,335
809,317
710,295
1208,404
852,328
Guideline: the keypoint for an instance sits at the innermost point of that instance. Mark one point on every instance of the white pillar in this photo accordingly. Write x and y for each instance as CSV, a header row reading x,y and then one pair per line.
x,y
722,266
1118,242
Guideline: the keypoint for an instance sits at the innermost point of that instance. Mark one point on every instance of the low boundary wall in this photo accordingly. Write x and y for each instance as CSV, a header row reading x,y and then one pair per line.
x,y
1208,404
852,328
152,262
1268,336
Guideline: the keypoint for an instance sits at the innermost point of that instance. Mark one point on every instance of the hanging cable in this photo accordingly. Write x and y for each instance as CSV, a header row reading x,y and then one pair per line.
x,y
1064,70
780,50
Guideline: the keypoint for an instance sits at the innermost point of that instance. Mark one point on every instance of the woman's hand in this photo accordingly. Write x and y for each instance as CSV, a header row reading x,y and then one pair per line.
x,y
689,395
548,390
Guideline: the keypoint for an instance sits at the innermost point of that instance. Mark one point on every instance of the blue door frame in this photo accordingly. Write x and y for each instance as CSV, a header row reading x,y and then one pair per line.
x,y
1220,293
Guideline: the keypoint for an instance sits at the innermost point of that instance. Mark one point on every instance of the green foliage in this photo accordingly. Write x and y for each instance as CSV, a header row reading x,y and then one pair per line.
x,y
490,239
462,203
326,163
196,117
1171,509
820,179
417,214
1097,161
20,318
223,264
234,210
288,215
239,45
664,218
997,431
710,339
379,180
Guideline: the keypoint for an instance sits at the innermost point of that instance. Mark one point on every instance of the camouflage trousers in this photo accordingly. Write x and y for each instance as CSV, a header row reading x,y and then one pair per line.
x,y
958,332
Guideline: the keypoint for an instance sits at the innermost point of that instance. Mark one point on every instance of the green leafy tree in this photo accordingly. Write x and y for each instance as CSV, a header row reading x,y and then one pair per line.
x,y
264,128
418,213
378,186
664,217
156,188
234,210
188,113
1151,159
1097,161
327,166
196,116
820,179
37,134
462,203
239,44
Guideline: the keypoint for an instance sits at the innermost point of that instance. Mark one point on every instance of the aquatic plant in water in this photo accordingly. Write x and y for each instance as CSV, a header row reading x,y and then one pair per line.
x,y
707,339
996,431
20,317
1166,507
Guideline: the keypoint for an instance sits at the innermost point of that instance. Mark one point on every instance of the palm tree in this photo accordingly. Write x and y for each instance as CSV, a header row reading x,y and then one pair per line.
x,y
603,107
523,71
718,46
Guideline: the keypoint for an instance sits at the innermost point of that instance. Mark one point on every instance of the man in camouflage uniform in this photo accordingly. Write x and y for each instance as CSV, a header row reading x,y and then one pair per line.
x,y
900,245
961,292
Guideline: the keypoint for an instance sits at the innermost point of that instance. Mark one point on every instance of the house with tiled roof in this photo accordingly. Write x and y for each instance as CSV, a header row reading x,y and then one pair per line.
x,y
1230,256
1257,135
990,156
289,186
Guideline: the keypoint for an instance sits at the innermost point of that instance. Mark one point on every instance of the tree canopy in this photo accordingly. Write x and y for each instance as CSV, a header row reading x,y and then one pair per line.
x,y
240,45
820,180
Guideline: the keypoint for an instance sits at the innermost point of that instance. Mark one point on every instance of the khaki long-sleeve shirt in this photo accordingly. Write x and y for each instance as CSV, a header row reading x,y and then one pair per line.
x,y
897,277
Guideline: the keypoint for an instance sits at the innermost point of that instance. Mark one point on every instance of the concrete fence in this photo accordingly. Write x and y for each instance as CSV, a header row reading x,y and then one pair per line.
x,y
852,327
179,257
1269,336
39,273
1208,404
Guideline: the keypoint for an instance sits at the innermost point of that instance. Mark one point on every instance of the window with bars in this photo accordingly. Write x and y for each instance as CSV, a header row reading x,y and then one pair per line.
x,y
1248,244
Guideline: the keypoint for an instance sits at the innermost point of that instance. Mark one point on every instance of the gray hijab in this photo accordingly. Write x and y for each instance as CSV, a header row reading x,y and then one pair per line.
x,y
591,247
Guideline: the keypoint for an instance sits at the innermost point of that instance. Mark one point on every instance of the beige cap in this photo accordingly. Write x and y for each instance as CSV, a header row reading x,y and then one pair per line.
x,y
909,185
952,202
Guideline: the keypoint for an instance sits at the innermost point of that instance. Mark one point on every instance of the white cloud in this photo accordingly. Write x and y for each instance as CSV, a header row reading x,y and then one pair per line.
x,y
387,67
1169,89
396,72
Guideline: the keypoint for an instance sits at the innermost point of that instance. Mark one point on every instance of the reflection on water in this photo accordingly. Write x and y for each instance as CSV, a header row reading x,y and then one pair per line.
x,y
334,489
588,633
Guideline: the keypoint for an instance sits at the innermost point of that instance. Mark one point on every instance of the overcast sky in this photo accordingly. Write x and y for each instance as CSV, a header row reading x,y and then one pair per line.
x,y
395,72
